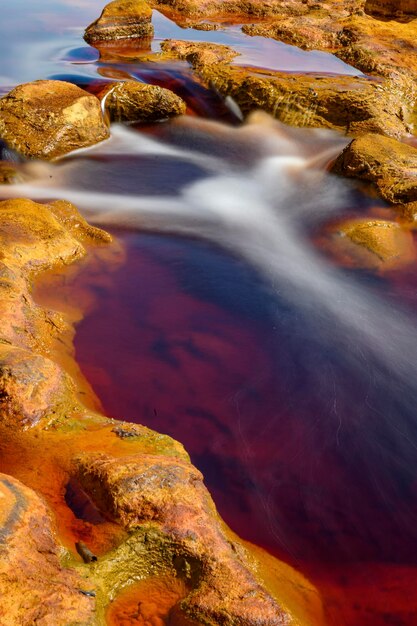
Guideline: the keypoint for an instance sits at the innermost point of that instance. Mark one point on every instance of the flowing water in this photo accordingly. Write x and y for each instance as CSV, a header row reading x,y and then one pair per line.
x,y
290,380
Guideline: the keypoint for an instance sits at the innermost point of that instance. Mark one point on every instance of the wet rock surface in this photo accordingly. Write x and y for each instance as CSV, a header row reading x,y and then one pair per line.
x,y
389,164
138,102
344,29
133,502
8,173
47,119
391,8
35,588
354,105
198,55
372,243
121,19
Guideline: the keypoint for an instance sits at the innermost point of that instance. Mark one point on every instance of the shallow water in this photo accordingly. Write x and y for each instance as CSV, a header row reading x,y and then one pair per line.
x,y
41,39
291,381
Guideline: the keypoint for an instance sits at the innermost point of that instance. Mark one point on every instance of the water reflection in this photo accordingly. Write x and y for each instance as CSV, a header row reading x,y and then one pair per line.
x,y
50,35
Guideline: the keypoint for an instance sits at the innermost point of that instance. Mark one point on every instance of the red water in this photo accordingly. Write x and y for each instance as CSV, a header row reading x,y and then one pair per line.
x,y
188,341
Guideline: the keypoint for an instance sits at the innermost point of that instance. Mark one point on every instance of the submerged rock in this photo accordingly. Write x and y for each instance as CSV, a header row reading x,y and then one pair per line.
x,y
121,19
49,118
132,101
378,243
391,165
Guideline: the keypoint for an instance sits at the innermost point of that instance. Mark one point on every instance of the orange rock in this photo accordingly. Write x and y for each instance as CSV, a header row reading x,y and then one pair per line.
x,y
34,587
196,53
391,8
352,104
168,495
381,244
121,19
49,118
387,163
138,102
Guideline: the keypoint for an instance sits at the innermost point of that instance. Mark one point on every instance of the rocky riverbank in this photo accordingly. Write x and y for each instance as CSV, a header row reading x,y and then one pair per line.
x,y
104,521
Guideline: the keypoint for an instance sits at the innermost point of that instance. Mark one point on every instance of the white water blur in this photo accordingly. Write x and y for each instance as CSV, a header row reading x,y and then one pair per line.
x,y
254,197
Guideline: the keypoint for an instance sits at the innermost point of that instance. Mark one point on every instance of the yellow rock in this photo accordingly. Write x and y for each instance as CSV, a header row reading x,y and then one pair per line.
x,y
121,19
138,102
49,118
381,243
391,165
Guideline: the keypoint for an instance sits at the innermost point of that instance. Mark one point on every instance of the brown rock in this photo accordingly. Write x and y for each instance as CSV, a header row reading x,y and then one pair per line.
x,y
199,55
49,118
34,587
8,173
138,102
391,8
121,19
351,104
255,8
389,164
306,32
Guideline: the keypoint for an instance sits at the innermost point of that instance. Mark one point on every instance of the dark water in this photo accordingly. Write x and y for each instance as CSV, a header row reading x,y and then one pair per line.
x,y
292,383
303,454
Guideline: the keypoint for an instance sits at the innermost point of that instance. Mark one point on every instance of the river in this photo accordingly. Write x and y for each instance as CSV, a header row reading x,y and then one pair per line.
x,y
291,380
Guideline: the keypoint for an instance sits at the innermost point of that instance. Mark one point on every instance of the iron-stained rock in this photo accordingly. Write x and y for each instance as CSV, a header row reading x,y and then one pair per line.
x,y
138,102
49,118
34,587
391,165
121,19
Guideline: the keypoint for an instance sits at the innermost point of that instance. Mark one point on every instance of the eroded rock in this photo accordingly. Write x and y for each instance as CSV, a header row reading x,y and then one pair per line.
x,y
165,497
391,8
121,19
198,55
34,587
132,101
352,104
391,165
49,118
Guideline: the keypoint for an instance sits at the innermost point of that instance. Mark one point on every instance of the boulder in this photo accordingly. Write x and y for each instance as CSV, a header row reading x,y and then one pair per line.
x,y
391,165
132,101
121,19
49,118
